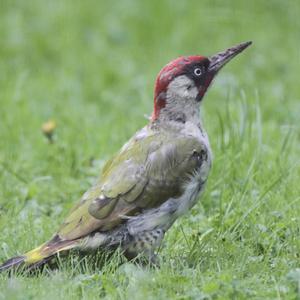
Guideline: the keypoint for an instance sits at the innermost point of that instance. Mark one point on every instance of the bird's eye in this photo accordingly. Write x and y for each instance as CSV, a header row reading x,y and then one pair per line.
x,y
197,71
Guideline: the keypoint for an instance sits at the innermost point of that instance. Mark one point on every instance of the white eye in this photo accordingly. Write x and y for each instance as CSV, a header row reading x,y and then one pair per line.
x,y
197,72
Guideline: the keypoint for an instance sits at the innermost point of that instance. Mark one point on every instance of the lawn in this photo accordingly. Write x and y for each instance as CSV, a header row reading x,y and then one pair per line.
x,y
91,66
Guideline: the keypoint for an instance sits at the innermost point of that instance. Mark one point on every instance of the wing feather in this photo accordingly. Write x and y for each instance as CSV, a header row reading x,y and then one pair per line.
x,y
134,180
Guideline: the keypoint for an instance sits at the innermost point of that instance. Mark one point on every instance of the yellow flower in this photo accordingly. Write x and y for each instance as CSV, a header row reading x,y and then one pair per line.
x,y
48,129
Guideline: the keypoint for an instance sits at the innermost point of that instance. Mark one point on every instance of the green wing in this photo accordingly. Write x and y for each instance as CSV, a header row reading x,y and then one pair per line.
x,y
148,170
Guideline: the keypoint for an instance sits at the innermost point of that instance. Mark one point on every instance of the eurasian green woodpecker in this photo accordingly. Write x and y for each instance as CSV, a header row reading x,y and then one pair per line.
x,y
155,178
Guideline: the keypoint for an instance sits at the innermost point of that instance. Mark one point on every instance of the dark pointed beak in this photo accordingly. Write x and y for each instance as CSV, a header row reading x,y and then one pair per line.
x,y
220,59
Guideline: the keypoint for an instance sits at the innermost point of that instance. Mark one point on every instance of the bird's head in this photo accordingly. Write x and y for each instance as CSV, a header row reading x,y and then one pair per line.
x,y
182,83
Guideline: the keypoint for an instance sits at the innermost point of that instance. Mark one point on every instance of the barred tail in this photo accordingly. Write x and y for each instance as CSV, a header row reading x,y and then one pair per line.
x,y
40,255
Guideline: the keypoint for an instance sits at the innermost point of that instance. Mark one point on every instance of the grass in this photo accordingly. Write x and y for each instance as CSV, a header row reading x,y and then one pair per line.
x,y
90,66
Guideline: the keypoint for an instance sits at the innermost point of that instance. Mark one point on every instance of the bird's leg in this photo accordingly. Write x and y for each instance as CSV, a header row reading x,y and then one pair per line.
x,y
142,247
145,258
153,259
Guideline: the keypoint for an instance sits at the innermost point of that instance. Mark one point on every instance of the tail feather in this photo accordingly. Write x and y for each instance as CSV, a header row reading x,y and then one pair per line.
x,y
40,255
13,262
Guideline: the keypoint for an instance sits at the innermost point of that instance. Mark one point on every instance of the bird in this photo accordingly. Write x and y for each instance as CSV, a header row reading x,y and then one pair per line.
x,y
155,178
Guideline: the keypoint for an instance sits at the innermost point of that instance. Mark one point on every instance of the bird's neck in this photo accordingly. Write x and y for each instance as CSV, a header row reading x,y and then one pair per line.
x,y
177,123
179,111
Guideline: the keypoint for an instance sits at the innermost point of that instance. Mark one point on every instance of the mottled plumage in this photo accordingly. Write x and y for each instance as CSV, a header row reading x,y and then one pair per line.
x,y
155,178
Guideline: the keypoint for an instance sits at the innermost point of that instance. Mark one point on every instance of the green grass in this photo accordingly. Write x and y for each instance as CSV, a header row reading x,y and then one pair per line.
x,y
90,66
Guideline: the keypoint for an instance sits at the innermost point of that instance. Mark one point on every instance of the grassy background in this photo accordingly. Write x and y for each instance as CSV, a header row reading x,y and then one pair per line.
x,y
90,66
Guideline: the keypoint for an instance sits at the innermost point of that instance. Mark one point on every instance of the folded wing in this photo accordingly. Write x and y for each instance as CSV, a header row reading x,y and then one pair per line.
x,y
144,174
